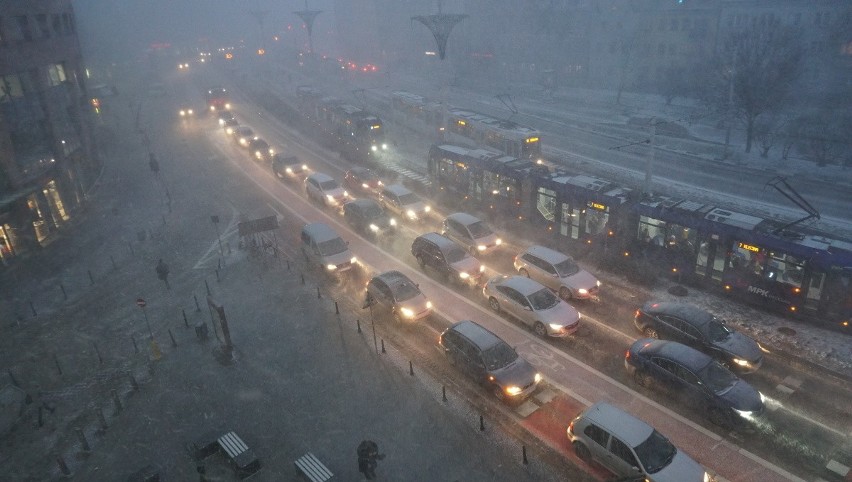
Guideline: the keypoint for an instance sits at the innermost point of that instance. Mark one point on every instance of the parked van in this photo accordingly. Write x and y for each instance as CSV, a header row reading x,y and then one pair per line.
x,y
470,232
323,247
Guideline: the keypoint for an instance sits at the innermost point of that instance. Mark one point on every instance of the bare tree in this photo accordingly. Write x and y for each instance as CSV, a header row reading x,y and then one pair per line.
x,y
823,138
678,82
767,130
753,72
627,59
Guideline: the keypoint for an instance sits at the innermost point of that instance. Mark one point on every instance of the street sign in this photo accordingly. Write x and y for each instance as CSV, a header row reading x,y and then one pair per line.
x,y
141,302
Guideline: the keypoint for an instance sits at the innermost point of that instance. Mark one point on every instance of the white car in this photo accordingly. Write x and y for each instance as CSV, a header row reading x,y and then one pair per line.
x,y
533,304
323,189
558,272
398,199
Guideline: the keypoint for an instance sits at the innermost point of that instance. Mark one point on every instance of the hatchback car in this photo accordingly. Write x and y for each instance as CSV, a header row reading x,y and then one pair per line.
x,y
489,360
260,149
696,378
399,200
558,272
629,447
533,304
363,180
690,325
230,125
396,293
225,116
243,135
368,217
471,232
288,168
323,189
447,258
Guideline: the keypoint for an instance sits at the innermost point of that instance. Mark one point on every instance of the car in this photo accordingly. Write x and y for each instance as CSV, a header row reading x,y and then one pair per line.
x,y
363,180
399,200
558,272
323,189
368,217
243,135
259,149
700,329
448,259
489,360
186,112
471,232
288,167
229,126
323,247
224,116
630,448
533,304
397,294
696,378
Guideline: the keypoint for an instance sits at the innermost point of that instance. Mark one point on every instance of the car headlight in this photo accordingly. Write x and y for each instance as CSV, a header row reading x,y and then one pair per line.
x,y
427,209
406,312
229,130
221,122
429,305
583,291
365,185
498,242
289,170
598,283
227,106
212,107
384,146
709,478
374,148
393,222
304,167
271,151
411,214
190,111
464,275
374,228
512,390
481,247
331,267
741,362
481,268
353,260
555,326
744,414
345,193
329,197
182,113
537,377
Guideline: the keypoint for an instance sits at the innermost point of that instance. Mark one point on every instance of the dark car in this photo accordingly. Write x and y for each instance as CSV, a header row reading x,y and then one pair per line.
x,y
225,116
229,126
446,258
363,180
690,325
290,168
695,378
489,360
368,217
260,149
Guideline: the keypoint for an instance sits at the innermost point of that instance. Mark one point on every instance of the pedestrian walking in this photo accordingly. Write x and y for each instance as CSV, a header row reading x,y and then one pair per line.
x,y
368,457
154,164
163,272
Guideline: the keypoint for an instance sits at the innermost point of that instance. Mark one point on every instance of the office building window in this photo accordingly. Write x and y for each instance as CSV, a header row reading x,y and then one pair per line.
x,y
56,74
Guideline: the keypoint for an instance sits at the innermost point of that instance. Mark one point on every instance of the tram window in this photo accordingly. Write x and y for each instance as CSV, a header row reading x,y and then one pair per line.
x,y
491,182
546,203
596,221
652,231
785,268
747,260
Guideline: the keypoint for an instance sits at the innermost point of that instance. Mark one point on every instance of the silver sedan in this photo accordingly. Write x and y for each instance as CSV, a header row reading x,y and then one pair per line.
x,y
532,303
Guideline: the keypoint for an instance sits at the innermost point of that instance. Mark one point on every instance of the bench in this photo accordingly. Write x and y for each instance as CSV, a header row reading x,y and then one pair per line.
x,y
309,466
247,464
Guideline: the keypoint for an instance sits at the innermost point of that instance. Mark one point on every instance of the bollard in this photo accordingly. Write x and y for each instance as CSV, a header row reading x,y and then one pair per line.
x,y
82,438
228,244
481,423
383,346
100,413
100,359
217,275
174,343
131,248
32,308
156,354
40,419
410,368
133,382
357,323
524,448
444,392
336,309
319,295
207,286
185,321
288,265
197,306
303,277
116,401
135,347
164,216
56,360
15,380
112,260
220,264
63,467
91,278
64,294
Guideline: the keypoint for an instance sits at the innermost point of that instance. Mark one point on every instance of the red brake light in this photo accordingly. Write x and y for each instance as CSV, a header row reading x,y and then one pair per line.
x,y
627,354
571,427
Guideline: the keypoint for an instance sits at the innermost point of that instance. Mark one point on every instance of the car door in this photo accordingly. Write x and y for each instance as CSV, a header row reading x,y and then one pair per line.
x,y
663,371
668,328
507,299
597,441
691,336
691,391
547,274
621,459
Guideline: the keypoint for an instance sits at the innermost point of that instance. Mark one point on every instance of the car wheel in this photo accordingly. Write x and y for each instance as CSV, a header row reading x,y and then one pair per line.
x,y
524,272
540,329
650,333
421,262
582,452
565,293
642,379
494,304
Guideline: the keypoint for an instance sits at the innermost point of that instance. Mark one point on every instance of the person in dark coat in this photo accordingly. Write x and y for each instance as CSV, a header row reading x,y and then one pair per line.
x,y
163,272
368,457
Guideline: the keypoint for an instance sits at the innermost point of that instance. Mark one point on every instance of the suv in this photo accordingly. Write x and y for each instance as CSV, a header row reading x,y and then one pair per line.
x,y
323,247
447,258
690,325
629,447
489,360
287,167
396,293
398,199
558,272
323,189
471,232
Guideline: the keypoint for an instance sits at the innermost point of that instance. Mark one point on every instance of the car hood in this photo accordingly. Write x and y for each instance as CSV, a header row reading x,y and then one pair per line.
x,y
681,469
741,346
744,397
561,314
417,207
335,193
469,265
337,258
488,240
581,279
520,372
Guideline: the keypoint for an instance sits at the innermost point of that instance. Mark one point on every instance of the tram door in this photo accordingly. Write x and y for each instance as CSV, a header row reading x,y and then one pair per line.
x,y
570,225
710,261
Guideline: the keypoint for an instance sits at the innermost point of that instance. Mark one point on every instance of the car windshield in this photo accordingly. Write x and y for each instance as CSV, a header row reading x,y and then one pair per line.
x,y
332,246
479,229
373,211
717,378
455,254
328,185
655,453
567,268
499,356
717,331
543,299
405,290
408,198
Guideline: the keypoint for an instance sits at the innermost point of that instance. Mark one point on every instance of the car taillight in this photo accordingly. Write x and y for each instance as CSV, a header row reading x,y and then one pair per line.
x,y
627,354
636,315
571,427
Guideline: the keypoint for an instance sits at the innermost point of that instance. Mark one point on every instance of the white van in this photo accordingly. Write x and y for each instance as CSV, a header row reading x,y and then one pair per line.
x,y
323,247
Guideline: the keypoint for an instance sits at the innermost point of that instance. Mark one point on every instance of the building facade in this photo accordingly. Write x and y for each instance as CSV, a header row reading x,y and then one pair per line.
x,y
46,155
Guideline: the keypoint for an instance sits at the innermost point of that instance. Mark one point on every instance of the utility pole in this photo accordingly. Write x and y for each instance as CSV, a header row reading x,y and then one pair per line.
x,y
730,108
